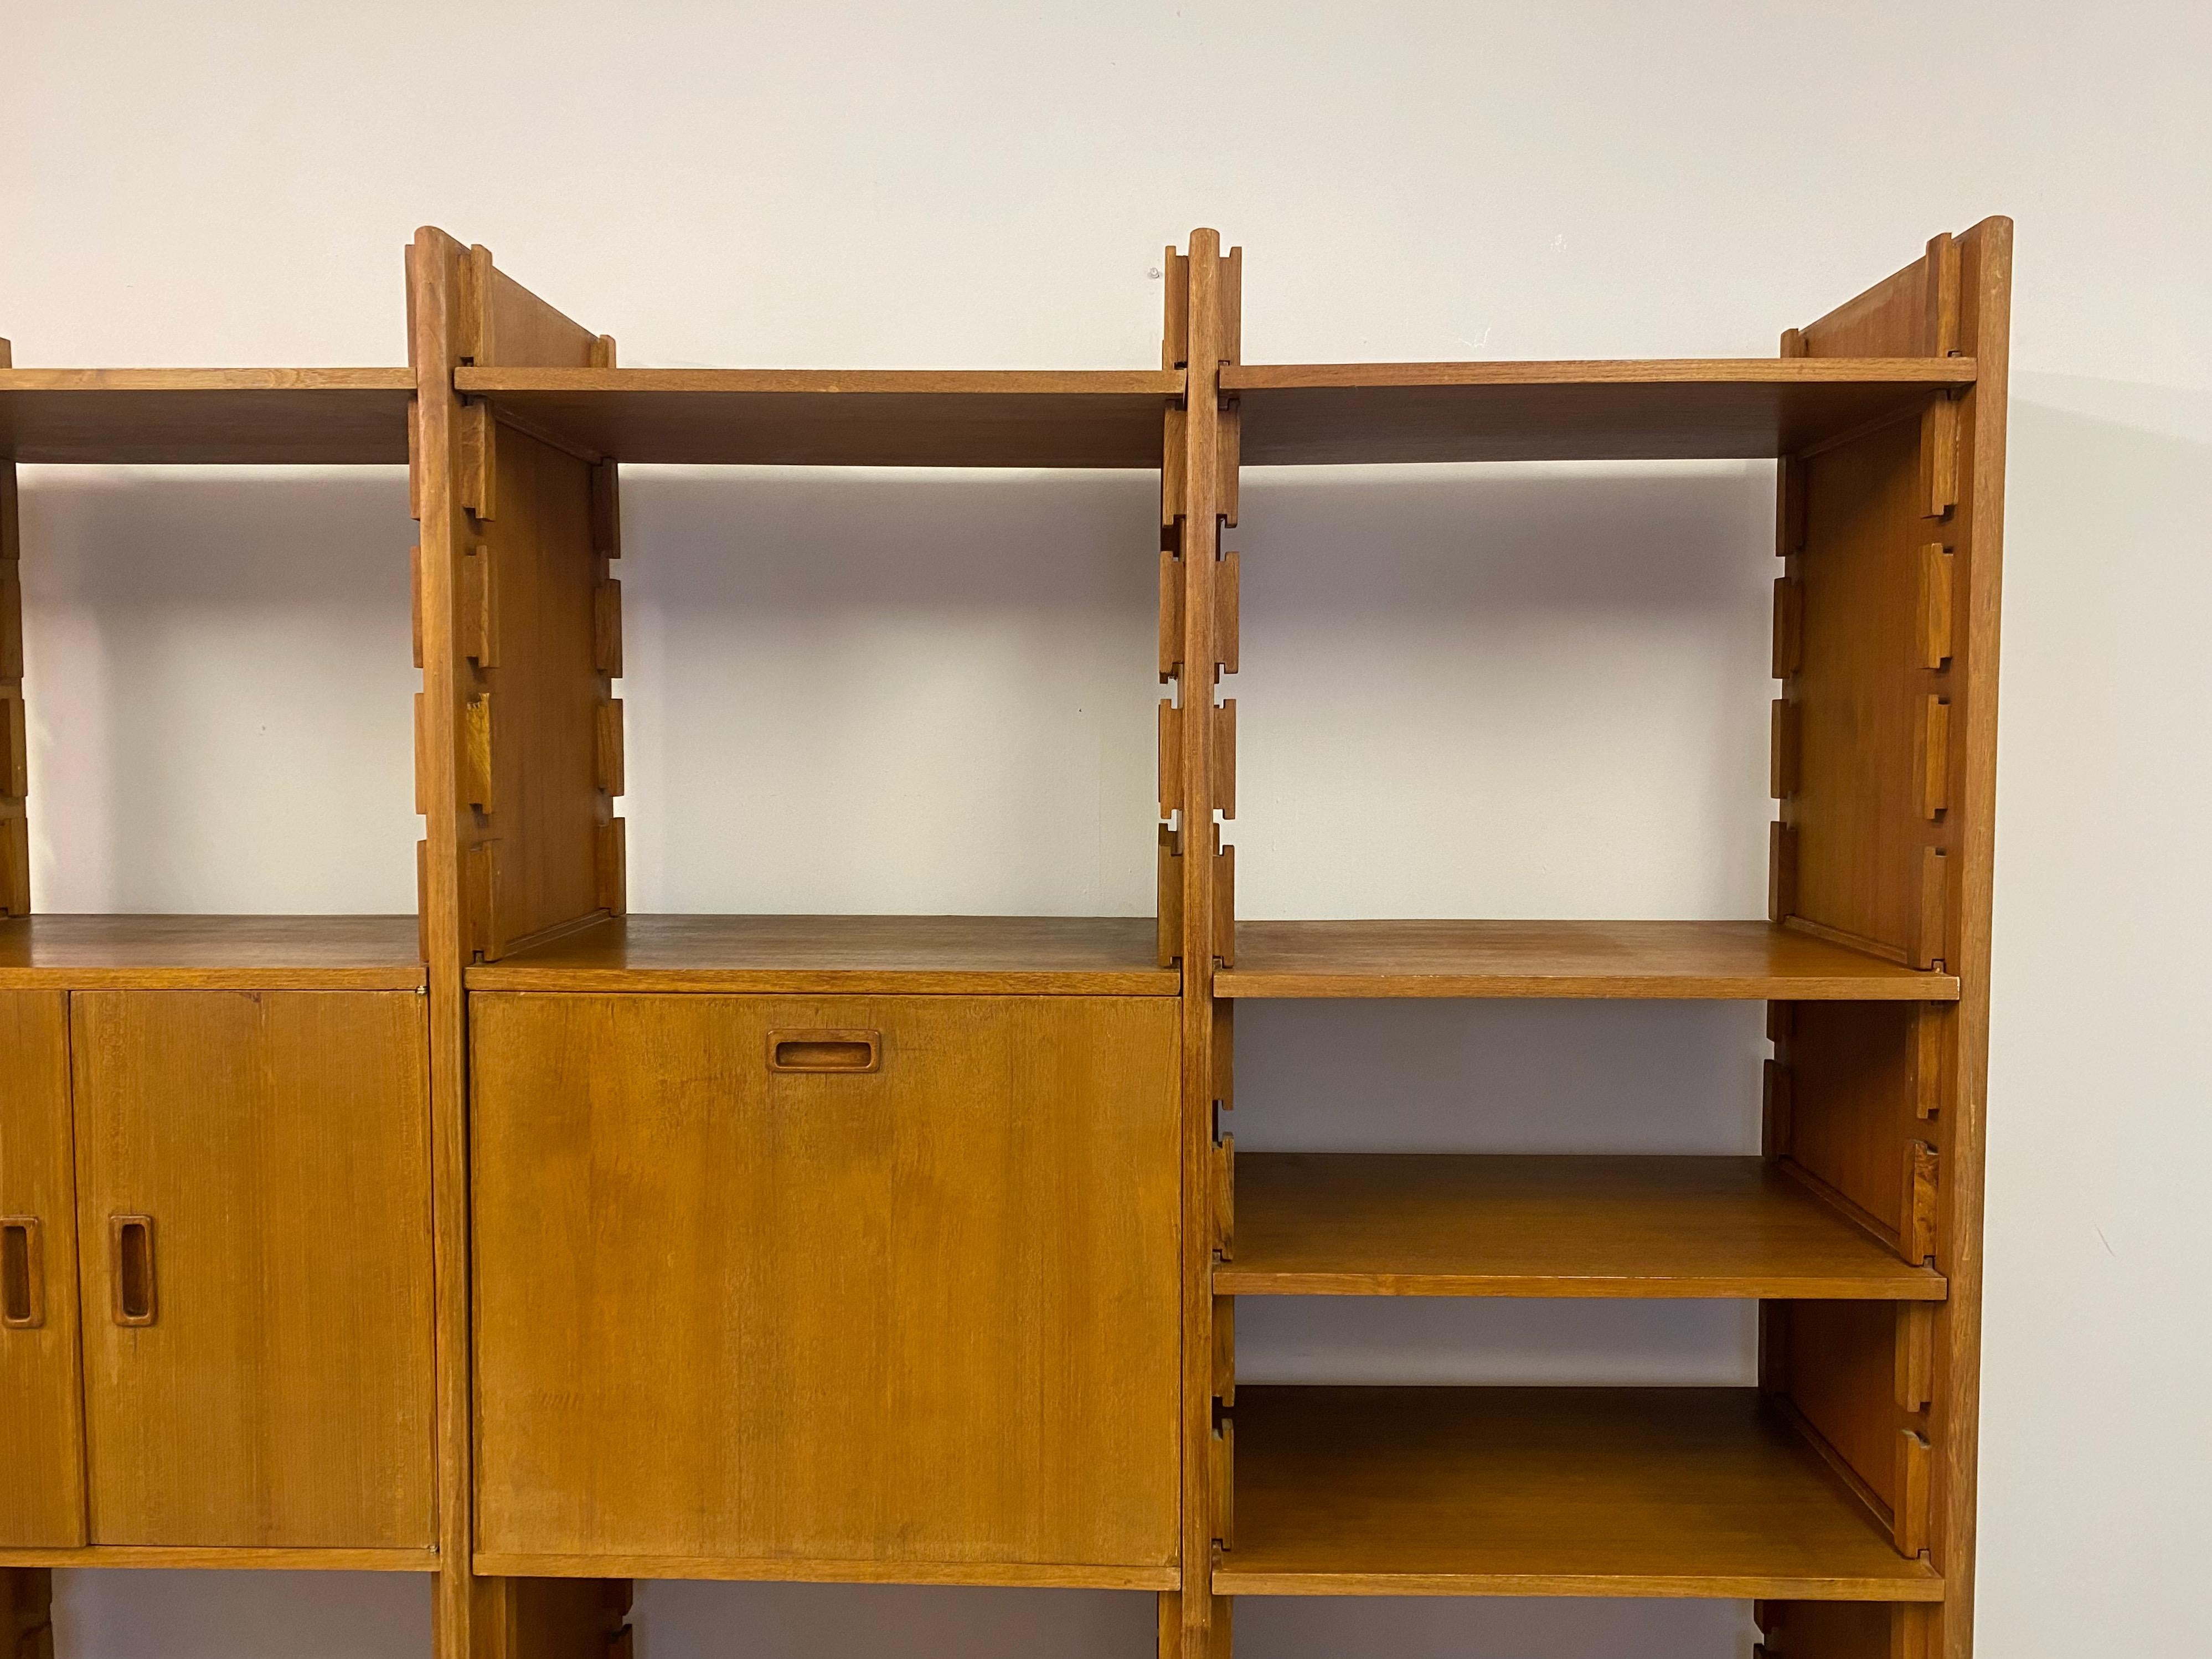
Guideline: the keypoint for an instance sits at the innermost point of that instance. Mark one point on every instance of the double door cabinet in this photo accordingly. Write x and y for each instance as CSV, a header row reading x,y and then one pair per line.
x,y
539,1247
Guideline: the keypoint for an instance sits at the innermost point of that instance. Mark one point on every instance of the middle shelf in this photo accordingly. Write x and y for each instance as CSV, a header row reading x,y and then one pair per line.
x,y
1338,1223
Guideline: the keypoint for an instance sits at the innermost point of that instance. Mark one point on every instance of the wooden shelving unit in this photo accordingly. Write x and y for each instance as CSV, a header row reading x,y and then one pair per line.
x,y
906,1248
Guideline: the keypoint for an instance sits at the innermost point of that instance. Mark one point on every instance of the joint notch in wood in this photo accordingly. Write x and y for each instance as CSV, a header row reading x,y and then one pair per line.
x,y
1932,620
415,597
480,895
1928,1059
1790,481
611,866
1171,758
1939,456
1225,1349
606,509
1172,475
425,770
1168,899
1782,749
608,747
1224,758
1934,757
1175,334
1781,872
1228,582
1224,1198
1915,1355
1788,626
1225,1482
1928,946
1225,907
1777,1105
479,459
478,606
476,754
1910,1514
1227,459
1922,1168
1170,613
607,629
15,746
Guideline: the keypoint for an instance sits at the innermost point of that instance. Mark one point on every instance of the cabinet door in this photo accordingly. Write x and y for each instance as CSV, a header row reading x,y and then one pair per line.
x,y
41,1438
921,1313
253,1180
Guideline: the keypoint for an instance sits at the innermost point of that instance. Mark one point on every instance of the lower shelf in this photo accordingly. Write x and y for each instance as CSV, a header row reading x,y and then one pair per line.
x,y
1545,1491
211,953
241,1558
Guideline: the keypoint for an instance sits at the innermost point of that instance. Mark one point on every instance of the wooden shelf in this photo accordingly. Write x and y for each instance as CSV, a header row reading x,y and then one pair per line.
x,y
1404,1224
1545,1491
1303,414
199,415
808,418
1710,960
176,952
910,956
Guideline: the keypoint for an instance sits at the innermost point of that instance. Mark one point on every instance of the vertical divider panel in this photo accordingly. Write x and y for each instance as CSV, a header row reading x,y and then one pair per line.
x,y
1197,909
511,619
15,736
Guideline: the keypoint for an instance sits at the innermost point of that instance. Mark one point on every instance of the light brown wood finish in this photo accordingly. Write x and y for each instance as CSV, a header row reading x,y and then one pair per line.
x,y
279,1142
833,1569
1661,959
15,731
922,1315
41,1430
1545,1491
172,1558
1308,413
808,418
320,417
188,952
1415,1224
948,955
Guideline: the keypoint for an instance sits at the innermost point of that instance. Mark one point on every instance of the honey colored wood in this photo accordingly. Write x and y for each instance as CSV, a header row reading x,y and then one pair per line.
x,y
153,1557
188,952
1664,959
1308,413
1545,1491
15,731
1406,1225
278,1141
963,956
550,1618
41,1429
320,417
809,417
924,1316
833,1571
1859,1080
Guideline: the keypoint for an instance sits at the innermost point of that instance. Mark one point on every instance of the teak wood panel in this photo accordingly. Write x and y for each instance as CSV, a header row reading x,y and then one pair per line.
x,y
15,731
320,417
1310,413
1411,1224
921,1314
41,1437
1545,1491
799,417
965,956
269,1382
188,952
1662,959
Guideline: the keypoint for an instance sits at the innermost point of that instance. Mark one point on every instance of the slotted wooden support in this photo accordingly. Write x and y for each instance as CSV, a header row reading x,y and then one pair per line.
x,y
1933,613
15,736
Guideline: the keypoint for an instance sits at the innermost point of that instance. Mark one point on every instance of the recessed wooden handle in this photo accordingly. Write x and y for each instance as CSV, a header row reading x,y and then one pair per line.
x,y
22,1274
130,1240
825,1051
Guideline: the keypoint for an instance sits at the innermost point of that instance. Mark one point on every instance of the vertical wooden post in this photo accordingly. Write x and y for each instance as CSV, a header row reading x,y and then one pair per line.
x,y
512,773
1197,904
14,735
27,1599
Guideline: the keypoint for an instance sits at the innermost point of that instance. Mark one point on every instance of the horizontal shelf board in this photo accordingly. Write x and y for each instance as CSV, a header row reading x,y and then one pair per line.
x,y
1545,1491
1313,1224
240,1558
202,415
809,417
1708,960
1305,413
964,955
243,953
816,1571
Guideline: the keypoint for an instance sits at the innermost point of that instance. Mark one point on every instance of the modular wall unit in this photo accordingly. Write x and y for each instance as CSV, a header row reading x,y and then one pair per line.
x,y
544,1247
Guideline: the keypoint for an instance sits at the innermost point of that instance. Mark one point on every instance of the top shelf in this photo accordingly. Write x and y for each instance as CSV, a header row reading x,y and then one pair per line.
x,y
1685,409
828,417
211,953
310,417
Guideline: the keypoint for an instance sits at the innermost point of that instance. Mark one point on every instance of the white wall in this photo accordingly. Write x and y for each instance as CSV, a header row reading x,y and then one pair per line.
x,y
1540,688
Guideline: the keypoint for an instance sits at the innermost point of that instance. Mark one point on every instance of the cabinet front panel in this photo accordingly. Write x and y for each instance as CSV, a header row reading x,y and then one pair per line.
x,y
917,1304
41,1440
253,1177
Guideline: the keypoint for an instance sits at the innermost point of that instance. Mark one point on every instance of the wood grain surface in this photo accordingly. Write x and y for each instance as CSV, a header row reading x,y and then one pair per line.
x,y
202,415
184,952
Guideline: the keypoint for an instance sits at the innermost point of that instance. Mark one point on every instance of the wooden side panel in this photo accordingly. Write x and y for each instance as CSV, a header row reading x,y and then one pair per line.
x,y
921,1314
1845,1630
1861,1085
1859,700
1843,1379
26,1606
544,695
272,1385
41,1435
1913,314
15,821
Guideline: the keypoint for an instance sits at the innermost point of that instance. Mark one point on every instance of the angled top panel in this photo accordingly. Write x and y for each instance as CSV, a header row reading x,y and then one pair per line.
x,y
202,415
814,417
1685,409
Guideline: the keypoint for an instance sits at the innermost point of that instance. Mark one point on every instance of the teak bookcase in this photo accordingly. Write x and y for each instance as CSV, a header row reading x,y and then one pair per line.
x,y
541,1247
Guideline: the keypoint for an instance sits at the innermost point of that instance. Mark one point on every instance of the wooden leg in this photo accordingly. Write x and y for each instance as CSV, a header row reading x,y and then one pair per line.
x,y
550,1618
26,1605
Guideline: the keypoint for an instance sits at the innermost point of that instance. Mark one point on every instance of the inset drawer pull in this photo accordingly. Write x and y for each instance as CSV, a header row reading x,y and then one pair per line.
x,y
131,1239
825,1051
22,1277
